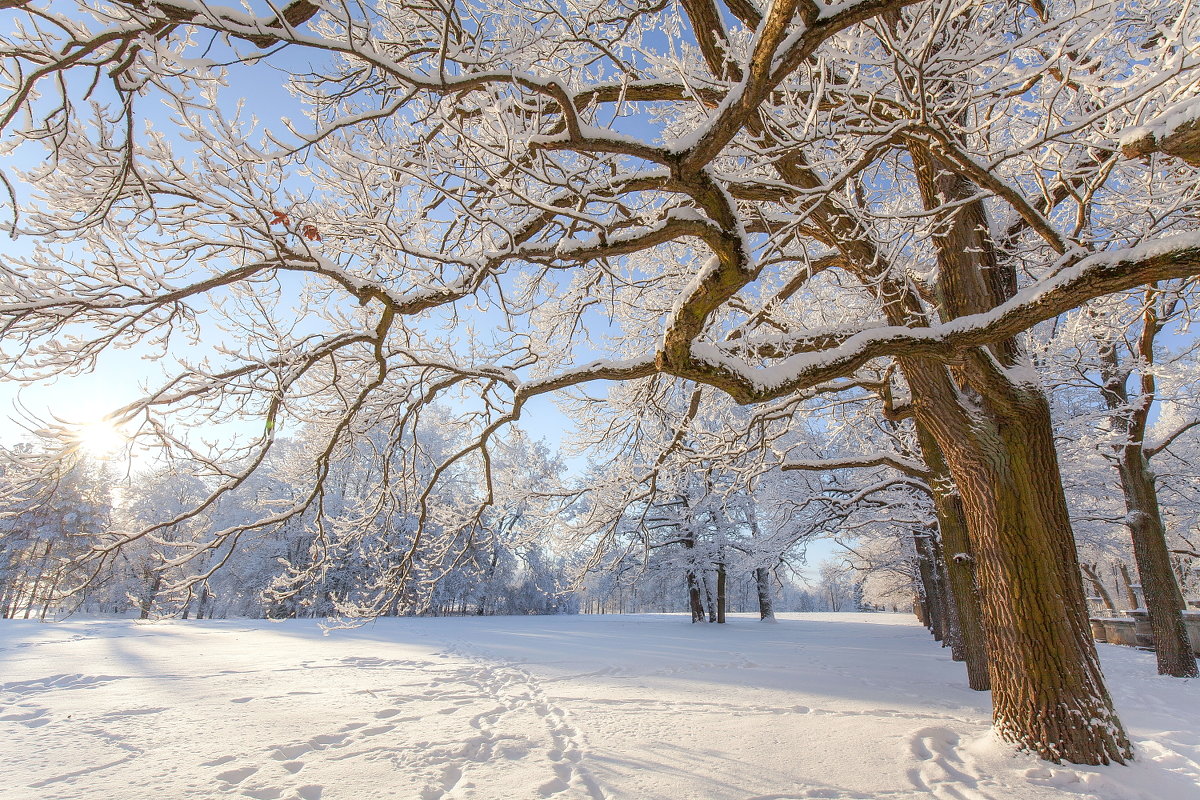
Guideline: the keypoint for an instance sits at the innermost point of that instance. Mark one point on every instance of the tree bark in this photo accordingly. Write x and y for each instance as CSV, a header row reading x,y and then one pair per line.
x,y
951,633
921,609
694,597
993,425
1131,597
1048,693
762,581
721,593
710,601
150,594
1089,572
931,590
1164,601
959,564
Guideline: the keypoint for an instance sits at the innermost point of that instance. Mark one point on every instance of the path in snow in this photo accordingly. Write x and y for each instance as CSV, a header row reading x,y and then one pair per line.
x,y
840,706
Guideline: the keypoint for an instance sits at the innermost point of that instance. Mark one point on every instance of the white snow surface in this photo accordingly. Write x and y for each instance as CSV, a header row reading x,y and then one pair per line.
x,y
840,706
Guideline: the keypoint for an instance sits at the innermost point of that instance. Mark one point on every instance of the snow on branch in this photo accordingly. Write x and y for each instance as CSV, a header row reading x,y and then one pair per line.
x,y
1175,132
1089,277
907,466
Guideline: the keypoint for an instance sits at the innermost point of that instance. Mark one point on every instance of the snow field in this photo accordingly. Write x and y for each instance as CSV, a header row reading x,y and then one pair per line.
x,y
838,706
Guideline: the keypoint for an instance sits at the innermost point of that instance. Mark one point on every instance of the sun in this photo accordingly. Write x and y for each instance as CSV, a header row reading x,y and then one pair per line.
x,y
100,439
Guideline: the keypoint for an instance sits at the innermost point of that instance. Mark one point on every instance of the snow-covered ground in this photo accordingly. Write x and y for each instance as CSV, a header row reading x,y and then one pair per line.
x,y
836,706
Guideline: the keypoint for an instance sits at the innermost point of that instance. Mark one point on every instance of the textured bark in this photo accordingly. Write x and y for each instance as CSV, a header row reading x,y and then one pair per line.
x,y
1047,689
921,609
959,562
994,430
951,629
993,427
1182,141
1164,601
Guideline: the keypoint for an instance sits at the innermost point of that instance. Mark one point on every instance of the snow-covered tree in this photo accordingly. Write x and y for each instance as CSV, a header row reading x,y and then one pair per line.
x,y
1115,347
49,520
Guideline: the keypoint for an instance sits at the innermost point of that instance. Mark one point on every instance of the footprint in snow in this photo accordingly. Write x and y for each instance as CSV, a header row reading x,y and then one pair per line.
x,y
235,776
942,772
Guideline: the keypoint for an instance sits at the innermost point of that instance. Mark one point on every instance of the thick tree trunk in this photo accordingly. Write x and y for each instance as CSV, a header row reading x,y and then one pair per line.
x,y
959,565
994,430
992,423
1048,693
762,581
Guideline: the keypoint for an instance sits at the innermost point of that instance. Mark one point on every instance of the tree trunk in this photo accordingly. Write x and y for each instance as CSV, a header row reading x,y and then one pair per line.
x,y
38,579
709,596
921,609
203,604
151,593
1048,693
694,597
992,422
1089,572
762,581
1127,584
930,590
948,611
993,426
959,565
1164,601
721,593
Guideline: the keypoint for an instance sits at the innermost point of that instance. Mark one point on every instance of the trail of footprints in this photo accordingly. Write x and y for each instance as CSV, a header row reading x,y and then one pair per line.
x,y
654,705
943,773
17,697
514,726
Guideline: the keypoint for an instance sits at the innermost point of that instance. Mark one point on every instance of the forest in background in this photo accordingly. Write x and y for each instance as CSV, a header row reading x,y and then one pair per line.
x,y
537,552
